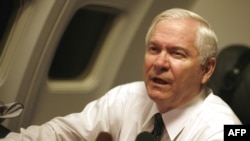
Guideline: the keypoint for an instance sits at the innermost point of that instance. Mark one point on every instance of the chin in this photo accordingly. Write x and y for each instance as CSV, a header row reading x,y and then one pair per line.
x,y
159,95
156,95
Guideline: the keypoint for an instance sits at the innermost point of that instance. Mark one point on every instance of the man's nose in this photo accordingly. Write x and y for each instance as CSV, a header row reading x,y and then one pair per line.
x,y
162,62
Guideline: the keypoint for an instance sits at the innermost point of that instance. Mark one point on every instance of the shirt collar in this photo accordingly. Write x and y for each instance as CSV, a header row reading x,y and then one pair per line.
x,y
176,119
149,119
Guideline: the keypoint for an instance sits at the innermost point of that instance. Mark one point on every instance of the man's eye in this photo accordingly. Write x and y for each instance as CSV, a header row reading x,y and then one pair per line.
x,y
179,54
153,49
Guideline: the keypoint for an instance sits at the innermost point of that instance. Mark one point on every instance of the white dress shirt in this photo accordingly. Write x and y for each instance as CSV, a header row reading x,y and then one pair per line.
x,y
126,110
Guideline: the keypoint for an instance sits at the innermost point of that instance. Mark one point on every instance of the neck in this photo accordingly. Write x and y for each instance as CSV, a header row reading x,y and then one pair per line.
x,y
165,106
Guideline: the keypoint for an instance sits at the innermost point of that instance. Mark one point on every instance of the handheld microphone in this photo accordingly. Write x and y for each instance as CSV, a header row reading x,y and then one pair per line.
x,y
144,136
104,136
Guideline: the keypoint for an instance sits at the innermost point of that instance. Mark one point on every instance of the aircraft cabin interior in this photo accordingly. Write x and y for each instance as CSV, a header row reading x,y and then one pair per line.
x,y
58,55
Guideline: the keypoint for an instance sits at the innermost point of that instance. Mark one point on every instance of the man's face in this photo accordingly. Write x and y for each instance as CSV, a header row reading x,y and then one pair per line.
x,y
172,70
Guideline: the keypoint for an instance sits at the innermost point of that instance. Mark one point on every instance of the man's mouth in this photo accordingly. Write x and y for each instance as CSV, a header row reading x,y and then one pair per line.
x,y
159,81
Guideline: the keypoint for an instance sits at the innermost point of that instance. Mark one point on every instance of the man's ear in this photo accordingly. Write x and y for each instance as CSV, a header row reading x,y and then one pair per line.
x,y
208,69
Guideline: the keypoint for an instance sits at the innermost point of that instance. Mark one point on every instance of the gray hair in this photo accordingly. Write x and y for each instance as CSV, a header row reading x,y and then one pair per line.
x,y
206,39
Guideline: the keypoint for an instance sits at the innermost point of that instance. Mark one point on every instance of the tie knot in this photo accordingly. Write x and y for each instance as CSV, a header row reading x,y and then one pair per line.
x,y
158,127
158,119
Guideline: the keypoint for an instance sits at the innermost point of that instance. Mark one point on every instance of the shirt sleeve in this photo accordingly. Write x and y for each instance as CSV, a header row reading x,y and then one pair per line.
x,y
102,115
82,126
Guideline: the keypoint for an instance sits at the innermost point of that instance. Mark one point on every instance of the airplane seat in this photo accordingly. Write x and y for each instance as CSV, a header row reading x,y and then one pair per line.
x,y
231,79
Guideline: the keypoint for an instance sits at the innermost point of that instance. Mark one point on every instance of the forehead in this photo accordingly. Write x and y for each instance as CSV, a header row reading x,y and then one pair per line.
x,y
175,29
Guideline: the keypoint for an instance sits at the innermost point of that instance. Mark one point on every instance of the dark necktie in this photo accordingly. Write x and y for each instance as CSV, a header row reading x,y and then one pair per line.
x,y
158,127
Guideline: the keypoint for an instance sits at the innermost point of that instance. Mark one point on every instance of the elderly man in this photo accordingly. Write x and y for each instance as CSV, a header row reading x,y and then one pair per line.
x,y
173,102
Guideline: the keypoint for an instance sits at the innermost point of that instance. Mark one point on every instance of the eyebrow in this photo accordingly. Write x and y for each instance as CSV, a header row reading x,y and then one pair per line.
x,y
152,42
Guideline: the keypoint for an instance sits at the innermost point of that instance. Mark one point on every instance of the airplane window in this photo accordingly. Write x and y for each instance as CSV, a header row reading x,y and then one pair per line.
x,y
81,42
8,11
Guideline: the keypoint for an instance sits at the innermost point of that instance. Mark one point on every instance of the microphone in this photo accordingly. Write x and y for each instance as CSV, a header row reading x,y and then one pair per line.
x,y
104,136
144,136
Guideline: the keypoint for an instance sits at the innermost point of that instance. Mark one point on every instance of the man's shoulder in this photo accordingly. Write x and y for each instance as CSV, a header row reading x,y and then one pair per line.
x,y
216,112
128,90
133,84
136,86
209,120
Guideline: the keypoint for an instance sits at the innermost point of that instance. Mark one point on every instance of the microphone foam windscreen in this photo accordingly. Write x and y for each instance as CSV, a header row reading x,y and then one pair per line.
x,y
104,136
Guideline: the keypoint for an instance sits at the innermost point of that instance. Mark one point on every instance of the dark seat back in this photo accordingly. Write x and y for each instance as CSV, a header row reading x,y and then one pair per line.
x,y
231,79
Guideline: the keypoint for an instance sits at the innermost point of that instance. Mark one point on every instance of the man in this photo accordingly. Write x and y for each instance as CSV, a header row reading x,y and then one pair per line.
x,y
179,60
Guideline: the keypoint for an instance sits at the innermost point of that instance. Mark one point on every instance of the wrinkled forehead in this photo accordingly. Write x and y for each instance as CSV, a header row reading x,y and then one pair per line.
x,y
181,30
183,22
